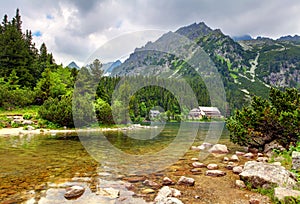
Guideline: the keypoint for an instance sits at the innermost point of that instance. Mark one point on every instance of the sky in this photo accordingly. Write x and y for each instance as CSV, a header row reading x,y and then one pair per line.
x,y
74,29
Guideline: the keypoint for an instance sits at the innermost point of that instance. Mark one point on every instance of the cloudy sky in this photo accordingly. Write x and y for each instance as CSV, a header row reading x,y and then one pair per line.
x,y
74,29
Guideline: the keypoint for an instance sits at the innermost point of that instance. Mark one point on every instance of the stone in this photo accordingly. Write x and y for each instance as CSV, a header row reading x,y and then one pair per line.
x,y
212,166
230,165
29,127
148,191
238,153
234,158
205,145
266,175
254,201
195,159
151,184
198,165
277,163
168,181
74,192
27,122
225,159
219,149
296,160
186,181
135,179
269,148
196,171
166,195
260,154
237,169
129,186
195,148
240,184
215,173
280,193
262,159
109,193
249,155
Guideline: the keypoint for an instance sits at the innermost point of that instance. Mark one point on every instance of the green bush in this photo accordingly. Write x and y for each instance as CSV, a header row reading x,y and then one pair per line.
x,y
57,111
4,122
103,112
27,116
264,121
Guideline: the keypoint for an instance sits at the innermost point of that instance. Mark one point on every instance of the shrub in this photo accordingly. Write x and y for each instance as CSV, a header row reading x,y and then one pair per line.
x,y
103,112
27,116
58,111
265,121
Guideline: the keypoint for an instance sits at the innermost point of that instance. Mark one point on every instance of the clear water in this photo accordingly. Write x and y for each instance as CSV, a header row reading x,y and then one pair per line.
x,y
36,169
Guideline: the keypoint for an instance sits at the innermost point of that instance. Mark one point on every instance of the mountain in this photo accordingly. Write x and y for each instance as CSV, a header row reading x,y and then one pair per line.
x,y
73,65
112,67
242,37
247,66
295,38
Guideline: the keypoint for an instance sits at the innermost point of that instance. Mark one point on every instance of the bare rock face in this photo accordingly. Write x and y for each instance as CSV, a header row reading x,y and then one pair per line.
x,y
219,149
266,175
186,181
74,192
296,160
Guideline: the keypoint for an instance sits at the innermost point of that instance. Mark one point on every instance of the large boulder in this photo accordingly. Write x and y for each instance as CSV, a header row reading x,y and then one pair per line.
x,y
296,160
266,175
219,149
280,193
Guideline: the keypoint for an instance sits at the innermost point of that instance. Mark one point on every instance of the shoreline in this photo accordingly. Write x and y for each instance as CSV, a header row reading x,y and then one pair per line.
x,y
7,132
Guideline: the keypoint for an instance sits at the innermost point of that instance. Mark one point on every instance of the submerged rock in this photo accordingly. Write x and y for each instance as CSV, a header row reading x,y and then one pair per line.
x,y
219,149
109,193
186,181
215,173
266,175
74,192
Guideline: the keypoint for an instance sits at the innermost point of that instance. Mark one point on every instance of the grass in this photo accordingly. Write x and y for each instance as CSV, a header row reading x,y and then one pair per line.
x,y
32,110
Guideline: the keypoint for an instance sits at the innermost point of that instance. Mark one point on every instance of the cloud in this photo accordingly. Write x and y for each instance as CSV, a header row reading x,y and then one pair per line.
x,y
73,29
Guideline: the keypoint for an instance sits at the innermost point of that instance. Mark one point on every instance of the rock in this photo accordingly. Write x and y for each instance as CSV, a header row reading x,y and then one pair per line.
x,y
240,184
74,192
195,159
29,127
148,191
230,165
212,166
254,201
260,154
151,184
168,181
252,150
268,149
226,159
195,148
262,159
186,181
237,169
234,158
109,193
266,175
277,163
215,173
205,145
196,171
280,193
27,122
134,179
219,149
239,153
198,165
249,155
129,186
166,194
296,160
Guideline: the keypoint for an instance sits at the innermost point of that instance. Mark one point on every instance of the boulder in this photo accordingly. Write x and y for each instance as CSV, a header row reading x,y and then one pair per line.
x,y
186,181
151,184
237,169
234,158
219,149
168,181
74,192
266,175
215,173
268,149
280,193
198,165
296,160
212,166
240,184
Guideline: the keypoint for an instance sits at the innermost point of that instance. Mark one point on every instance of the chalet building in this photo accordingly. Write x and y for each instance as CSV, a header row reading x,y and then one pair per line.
x,y
210,112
